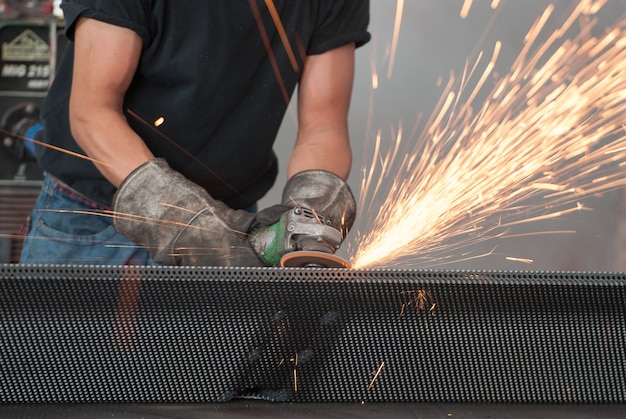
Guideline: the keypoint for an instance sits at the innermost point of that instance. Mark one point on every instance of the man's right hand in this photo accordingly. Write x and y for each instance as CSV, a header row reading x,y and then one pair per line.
x,y
325,194
179,222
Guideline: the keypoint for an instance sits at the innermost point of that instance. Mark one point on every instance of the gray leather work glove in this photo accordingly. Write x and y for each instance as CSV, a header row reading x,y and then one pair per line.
x,y
179,222
323,192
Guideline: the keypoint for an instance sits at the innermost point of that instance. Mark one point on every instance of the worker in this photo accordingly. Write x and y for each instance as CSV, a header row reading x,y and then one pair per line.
x,y
160,123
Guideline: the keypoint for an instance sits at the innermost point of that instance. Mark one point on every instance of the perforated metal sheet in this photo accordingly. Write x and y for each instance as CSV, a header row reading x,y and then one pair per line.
x,y
131,334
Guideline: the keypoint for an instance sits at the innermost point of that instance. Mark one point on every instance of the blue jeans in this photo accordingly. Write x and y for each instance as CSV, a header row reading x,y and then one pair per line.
x,y
66,228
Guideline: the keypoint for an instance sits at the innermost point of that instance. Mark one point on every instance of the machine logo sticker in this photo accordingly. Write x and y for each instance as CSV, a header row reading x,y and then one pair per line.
x,y
27,46
25,66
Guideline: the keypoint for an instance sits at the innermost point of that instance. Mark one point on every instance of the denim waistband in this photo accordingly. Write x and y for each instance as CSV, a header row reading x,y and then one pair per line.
x,y
52,184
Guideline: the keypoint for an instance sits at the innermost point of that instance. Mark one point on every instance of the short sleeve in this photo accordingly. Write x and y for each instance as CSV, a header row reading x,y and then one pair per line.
x,y
134,15
340,22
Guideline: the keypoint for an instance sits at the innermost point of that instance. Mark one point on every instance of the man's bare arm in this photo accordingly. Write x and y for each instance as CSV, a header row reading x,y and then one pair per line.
x,y
106,58
323,103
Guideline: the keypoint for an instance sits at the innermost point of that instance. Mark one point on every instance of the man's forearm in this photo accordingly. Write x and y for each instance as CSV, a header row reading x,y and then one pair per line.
x,y
323,103
106,138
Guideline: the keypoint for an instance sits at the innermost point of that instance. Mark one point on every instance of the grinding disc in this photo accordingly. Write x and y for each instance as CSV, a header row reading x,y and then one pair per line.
x,y
304,259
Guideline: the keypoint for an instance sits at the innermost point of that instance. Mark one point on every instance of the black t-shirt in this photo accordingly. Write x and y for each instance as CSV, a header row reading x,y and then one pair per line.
x,y
205,70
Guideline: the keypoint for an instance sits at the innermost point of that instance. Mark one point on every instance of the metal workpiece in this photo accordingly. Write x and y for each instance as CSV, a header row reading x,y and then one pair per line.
x,y
189,334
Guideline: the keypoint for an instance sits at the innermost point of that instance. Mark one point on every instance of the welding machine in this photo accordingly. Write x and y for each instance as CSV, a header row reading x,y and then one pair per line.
x,y
30,43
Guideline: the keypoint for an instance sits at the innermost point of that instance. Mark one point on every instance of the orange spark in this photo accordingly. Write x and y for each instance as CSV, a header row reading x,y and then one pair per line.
x,y
283,35
467,5
268,48
548,134
376,375
159,121
374,81
396,36
53,147
528,261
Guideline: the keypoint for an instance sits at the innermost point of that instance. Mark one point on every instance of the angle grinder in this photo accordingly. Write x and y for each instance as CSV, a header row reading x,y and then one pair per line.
x,y
301,238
